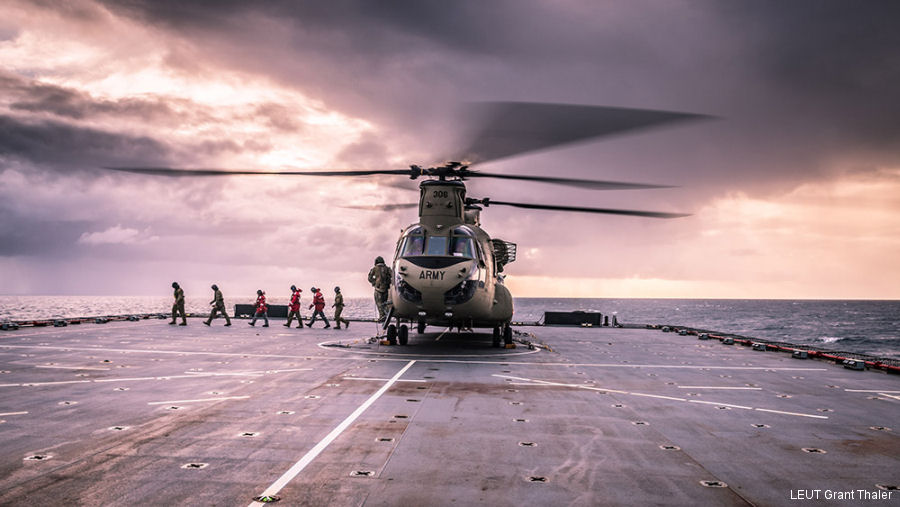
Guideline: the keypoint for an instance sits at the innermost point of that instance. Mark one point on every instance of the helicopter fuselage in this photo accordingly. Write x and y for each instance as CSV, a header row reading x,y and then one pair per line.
x,y
445,268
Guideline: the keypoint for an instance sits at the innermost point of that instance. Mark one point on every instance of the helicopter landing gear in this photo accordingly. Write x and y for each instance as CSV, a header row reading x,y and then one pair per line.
x,y
496,341
507,337
392,334
403,334
421,327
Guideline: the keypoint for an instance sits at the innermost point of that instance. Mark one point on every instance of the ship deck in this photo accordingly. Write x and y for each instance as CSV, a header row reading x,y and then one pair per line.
x,y
130,413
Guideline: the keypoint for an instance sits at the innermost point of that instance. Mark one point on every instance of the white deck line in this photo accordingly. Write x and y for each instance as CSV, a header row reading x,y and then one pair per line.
x,y
197,401
385,379
13,413
791,413
298,467
723,388
64,367
716,403
869,391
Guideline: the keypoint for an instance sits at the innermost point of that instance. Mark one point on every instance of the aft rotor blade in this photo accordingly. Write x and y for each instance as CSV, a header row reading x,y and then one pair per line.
x,y
506,129
171,171
608,211
574,182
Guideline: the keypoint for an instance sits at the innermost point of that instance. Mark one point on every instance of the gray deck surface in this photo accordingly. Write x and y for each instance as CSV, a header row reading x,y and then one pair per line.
x,y
97,402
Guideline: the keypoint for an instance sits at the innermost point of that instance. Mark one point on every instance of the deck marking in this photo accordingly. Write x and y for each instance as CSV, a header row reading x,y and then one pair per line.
x,y
722,387
384,379
59,383
197,401
889,395
869,391
594,388
658,396
442,334
791,413
13,413
298,467
716,403
63,367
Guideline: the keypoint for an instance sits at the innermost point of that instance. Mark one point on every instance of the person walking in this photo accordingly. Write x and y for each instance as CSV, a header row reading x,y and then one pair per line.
x,y
294,308
218,305
338,309
380,278
261,309
319,304
178,306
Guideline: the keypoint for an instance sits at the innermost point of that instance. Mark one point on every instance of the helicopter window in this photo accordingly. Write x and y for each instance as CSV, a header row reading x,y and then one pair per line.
x,y
412,245
437,245
461,246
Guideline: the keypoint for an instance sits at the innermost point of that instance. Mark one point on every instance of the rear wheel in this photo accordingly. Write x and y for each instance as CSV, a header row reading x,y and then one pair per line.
x,y
507,335
403,335
392,334
421,327
496,340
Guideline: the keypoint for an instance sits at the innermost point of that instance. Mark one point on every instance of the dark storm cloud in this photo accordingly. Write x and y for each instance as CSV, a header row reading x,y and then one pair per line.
x,y
53,144
798,83
34,97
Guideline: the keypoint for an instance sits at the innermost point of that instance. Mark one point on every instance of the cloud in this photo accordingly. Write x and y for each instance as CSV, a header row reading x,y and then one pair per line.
x,y
116,235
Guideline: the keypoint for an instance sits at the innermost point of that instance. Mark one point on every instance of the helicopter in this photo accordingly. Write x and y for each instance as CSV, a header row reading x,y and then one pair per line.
x,y
447,270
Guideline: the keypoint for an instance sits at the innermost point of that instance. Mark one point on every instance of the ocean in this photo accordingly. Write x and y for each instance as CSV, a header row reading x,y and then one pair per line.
x,y
867,327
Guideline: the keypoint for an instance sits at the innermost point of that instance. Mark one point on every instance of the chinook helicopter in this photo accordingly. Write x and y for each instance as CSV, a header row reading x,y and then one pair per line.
x,y
447,270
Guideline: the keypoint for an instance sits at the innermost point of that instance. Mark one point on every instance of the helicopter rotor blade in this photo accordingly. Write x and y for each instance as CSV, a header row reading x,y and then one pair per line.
x,y
574,182
383,207
578,209
507,129
171,171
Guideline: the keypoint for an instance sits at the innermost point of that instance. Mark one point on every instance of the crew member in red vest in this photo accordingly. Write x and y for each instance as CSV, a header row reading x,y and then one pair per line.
x,y
261,309
319,303
294,307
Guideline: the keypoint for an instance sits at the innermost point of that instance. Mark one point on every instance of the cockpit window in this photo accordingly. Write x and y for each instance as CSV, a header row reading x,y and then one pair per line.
x,y
412,245
462,246
437,245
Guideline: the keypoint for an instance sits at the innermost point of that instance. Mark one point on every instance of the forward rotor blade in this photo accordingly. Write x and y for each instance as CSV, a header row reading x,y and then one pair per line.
x,y
171,171
649,214
574,182
506,129
384,207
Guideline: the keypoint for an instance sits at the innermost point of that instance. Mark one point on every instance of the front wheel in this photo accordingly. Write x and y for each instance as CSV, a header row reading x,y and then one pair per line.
x,y
392,334
507,335
403,335
421,327
496,341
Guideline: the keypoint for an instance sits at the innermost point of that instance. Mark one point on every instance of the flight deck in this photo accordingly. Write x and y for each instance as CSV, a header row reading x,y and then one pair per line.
x,y
128,413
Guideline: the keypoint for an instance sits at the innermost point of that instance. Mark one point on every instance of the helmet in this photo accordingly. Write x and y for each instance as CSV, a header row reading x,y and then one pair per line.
x,y
293,287
337,289
214,287
379,260
174,285
259,292
312,289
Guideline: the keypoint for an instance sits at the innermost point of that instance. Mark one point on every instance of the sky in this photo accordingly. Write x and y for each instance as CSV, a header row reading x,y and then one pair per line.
x,y
793,184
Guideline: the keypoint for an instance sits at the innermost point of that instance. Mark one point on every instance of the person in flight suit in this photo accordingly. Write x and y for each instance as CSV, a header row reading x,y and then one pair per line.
x,y
339,308
261,309
178,307
380,278
319,303
294,308
218,305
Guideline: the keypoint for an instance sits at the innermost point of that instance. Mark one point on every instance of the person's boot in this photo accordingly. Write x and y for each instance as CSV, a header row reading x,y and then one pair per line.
x,y
172,323
338,326
265,325
227,323
206,322
184,323
347,324
252,323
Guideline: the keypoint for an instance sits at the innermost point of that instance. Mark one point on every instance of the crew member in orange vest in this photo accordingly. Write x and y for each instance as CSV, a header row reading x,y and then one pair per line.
x,y
319,303
294,307
261,309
